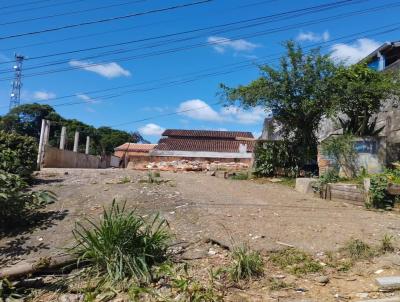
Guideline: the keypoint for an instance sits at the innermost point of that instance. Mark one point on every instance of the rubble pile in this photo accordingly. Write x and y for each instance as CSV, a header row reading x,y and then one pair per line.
x,y
187,165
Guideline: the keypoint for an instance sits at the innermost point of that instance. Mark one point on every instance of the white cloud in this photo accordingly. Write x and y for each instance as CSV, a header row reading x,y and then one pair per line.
x,y
108,70
310,36
199,110
252,116
43,95
151,129
221,44
86,98
352,53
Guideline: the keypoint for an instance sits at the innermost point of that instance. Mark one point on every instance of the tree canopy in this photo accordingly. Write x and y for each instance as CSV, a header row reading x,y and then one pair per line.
x,y
295,92
26,120
359,93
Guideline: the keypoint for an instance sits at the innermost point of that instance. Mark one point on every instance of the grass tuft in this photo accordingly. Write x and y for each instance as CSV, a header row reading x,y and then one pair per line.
x,y
386,244
123,245
357,249
240,176
295,261
246,264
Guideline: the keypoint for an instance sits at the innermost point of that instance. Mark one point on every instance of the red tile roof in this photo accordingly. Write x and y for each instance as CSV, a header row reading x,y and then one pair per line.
x,y
213,145
136,147
208,134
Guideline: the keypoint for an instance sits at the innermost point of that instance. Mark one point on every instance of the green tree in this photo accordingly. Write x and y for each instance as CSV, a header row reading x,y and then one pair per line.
x,y
359,94
27,119
295,92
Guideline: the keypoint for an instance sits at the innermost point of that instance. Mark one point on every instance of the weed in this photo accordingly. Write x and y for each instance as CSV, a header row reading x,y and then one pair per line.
x,y
8,292
276,284
295,261
246,264
123,245
357,249
124,180
156,174
240,176
387,244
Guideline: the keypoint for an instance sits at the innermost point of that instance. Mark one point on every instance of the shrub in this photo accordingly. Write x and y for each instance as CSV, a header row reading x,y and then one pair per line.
x,y
378,196
246,264
275,158
17,154
123,245
341,149
16,202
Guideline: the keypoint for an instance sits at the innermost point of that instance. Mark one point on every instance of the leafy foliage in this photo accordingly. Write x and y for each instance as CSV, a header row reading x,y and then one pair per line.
x,y
378,196
16,202
341,149
17,154
26,120
123,245
274,158
296,94
360,92
246,264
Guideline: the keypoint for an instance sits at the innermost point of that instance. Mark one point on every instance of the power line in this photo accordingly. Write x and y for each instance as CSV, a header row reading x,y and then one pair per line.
x,y
21,10
53,29
199,44
245,65
71,13
267,18
26,3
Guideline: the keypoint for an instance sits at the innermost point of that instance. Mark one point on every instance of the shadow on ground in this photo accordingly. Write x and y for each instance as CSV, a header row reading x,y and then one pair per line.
x,y
20,234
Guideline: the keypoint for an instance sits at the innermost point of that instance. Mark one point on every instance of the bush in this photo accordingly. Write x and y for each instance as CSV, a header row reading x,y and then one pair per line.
x,y
246,264
16,202
123,246
378,196
275,158
18,154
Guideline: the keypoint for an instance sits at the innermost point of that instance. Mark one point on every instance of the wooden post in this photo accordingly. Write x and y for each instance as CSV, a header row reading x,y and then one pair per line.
x,y
76,141
87,144
39,158
62,138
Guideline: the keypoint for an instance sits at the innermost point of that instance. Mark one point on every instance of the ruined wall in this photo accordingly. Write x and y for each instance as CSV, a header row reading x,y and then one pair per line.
x,y
56,158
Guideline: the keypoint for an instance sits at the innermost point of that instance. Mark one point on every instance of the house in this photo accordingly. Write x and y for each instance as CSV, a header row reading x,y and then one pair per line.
x,y
132,149
386,57
205,145
135,153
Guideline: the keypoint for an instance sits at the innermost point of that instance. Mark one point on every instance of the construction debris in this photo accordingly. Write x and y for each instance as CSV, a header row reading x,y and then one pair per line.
x,y
187,165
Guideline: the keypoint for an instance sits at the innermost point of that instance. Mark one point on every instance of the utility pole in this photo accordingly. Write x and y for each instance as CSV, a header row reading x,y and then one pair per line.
x,y
15,96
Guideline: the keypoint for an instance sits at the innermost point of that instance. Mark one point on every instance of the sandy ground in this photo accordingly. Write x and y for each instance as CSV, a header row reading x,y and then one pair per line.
x,y
199,206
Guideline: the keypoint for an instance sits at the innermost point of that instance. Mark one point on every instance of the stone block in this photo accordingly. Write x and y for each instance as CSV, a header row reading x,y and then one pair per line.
x,y
304,185
388,282
390,299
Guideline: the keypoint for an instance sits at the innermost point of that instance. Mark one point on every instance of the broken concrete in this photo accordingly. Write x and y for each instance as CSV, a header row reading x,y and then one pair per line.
x,y
304,185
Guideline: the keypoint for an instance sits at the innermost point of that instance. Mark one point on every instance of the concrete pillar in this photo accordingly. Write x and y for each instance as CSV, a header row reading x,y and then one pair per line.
x,y
46,133
87,144
76,141
40,150
62,138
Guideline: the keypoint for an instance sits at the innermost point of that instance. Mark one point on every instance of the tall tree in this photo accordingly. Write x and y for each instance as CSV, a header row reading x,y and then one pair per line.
x,y
360,93
295,92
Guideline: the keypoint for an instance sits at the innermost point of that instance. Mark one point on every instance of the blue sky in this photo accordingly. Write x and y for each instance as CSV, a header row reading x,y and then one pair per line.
x,y
176,73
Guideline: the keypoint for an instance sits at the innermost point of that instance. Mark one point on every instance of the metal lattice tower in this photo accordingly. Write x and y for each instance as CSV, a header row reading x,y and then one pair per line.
x,y
15,96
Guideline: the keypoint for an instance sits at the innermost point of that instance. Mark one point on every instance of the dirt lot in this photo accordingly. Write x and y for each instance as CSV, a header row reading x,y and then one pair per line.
x,y
199,206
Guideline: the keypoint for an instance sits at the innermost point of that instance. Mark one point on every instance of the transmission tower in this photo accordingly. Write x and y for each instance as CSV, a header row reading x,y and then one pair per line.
x,y
15,96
